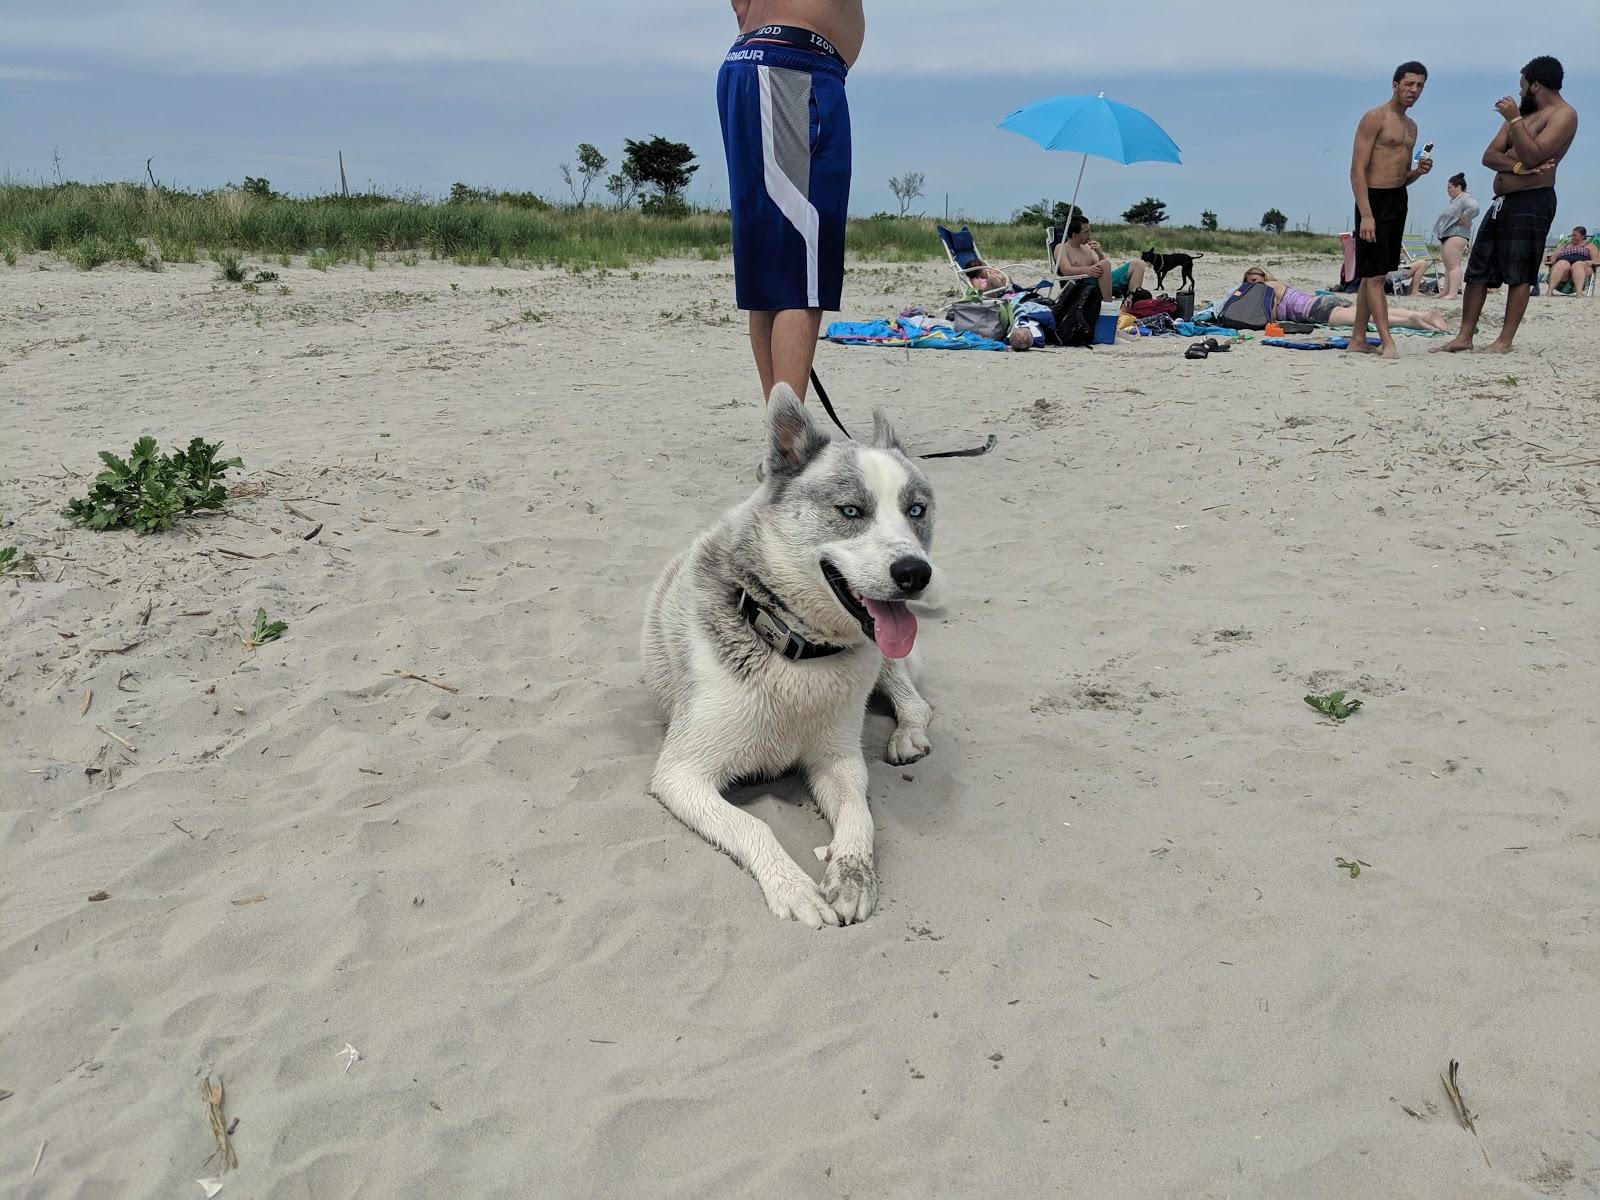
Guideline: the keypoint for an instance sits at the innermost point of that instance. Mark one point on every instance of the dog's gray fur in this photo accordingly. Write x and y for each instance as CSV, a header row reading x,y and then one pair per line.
x,y
736,709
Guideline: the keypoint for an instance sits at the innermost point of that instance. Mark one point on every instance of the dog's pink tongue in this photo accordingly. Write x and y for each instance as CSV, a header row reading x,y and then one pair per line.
x,y
893,627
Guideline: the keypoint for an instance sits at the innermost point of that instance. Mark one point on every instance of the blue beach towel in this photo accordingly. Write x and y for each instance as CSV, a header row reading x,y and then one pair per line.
x,y
1201,329
892,333
1338,343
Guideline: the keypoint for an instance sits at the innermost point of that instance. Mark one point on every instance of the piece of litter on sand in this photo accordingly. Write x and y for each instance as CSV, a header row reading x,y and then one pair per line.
x,y
38,1157
214,1096
351,1056
821,852
210,1186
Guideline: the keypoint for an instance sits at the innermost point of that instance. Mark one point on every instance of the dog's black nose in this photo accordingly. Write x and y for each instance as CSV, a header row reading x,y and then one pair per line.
x,y
911,574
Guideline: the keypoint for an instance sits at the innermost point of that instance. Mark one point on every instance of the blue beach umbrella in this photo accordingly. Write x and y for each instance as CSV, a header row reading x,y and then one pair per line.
x,y
1093,125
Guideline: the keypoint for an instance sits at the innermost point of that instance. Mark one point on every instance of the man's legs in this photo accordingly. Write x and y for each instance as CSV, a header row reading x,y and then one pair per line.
x,y
1136,269
761,346
785,345
1473,296
1105,283
1358,345
1516,304
1379,304
794,346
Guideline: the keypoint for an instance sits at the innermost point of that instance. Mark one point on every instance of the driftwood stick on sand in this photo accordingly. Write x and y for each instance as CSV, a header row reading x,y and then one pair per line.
x,y
212,1094
424,679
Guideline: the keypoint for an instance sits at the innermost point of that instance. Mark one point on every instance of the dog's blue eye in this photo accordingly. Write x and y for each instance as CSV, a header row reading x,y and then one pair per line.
x,y
915,512
850,512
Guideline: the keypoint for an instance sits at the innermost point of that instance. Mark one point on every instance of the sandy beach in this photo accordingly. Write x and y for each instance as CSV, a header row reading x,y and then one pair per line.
x,y
1114,955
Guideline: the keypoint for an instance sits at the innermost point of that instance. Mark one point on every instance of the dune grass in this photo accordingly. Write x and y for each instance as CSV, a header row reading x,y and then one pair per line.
x,y
90,224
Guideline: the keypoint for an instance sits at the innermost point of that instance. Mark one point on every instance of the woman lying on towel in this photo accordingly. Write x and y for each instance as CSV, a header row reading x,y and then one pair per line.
x,y
1290,304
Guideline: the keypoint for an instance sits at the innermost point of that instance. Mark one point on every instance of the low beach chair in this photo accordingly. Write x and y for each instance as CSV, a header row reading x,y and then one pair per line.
x,y
1417,248
1054,235
1542,283
964,258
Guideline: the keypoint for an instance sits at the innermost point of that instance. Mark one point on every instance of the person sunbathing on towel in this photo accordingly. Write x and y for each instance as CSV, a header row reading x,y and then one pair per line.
x,y
1079,254
1291,304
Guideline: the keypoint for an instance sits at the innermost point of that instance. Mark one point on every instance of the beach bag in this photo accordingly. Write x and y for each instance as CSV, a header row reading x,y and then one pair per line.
x,y
1248,306
1076,310
983,318
1154,306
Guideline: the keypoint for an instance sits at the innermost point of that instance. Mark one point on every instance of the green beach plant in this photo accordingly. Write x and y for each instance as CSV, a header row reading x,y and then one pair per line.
x,y
263,631
148,491
1333,705
229,266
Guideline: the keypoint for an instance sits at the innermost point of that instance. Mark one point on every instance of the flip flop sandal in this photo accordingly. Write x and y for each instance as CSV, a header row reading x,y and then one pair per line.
x,y
1197,350
1217,347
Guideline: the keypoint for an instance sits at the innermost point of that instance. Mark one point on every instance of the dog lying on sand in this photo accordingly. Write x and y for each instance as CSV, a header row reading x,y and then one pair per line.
x,y
764,639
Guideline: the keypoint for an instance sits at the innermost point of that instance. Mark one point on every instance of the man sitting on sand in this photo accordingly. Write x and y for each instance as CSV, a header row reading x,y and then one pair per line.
x,y
1534,137
1291,304
1079,254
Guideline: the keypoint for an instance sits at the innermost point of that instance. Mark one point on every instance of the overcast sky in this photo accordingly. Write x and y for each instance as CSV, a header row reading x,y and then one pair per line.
x,y
421,93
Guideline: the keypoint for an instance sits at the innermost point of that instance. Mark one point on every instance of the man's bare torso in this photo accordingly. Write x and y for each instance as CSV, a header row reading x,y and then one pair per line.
x,y
1085,255
1390,161
842,22
1505,181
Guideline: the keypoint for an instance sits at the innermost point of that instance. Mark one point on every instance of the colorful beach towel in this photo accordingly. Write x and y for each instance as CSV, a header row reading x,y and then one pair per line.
x,y
1338,343
913,335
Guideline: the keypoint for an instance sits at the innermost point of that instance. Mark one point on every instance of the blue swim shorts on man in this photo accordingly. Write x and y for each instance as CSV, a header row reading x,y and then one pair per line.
x,y
786,132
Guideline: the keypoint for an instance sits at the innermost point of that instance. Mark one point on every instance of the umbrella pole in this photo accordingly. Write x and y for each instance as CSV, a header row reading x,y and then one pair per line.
x,y
1079,184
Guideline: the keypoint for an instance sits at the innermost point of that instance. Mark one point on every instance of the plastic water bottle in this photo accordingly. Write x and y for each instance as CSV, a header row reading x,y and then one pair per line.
x,y
1425,154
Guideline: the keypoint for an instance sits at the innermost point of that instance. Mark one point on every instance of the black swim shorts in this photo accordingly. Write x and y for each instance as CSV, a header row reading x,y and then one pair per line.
x,y
1510,241
1382,255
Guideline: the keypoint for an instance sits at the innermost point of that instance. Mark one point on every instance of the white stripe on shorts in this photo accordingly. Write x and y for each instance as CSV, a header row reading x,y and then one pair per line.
x,y
801,212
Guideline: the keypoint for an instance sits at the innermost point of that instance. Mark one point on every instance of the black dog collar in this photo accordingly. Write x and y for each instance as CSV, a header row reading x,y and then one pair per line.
x,y
771,630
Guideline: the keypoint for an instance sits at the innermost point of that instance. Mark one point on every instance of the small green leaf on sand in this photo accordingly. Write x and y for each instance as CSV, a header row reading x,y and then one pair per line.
x,y
264,631
1333,705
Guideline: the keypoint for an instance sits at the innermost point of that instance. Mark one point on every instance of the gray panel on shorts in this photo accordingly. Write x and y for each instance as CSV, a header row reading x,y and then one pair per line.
x,y
791,125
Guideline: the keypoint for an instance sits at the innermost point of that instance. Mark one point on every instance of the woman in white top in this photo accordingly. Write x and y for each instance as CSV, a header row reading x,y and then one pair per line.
x,y
1453,230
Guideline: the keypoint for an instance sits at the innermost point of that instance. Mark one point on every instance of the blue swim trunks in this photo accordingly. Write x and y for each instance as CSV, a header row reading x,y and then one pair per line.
x,y
786,133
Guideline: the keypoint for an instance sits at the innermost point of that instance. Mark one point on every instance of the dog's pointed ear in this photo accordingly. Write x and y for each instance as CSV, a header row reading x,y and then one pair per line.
x,y
883,435
794,438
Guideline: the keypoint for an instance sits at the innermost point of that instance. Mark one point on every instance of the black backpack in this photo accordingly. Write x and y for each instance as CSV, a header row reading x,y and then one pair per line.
x,y
1076,310
1248,306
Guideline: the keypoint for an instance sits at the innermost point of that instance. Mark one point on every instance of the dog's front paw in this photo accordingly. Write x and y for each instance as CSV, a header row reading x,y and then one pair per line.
x,y
850,885
907,744
792,895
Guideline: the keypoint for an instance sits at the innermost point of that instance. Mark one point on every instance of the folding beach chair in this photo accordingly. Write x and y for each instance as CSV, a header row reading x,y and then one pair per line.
x,y
1542,283
1417,248
1347,265
964,258
1054,235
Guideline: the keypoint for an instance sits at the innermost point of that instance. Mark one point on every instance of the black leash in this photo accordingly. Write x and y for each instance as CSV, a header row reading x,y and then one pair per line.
x,y
827,405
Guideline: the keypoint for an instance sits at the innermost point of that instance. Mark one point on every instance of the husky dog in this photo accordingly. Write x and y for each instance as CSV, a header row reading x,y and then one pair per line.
x,y
764,639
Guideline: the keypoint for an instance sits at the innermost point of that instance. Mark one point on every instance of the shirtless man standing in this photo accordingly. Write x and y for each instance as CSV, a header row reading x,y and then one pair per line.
x,y
1080,254
1380,172
1534,137
786,133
